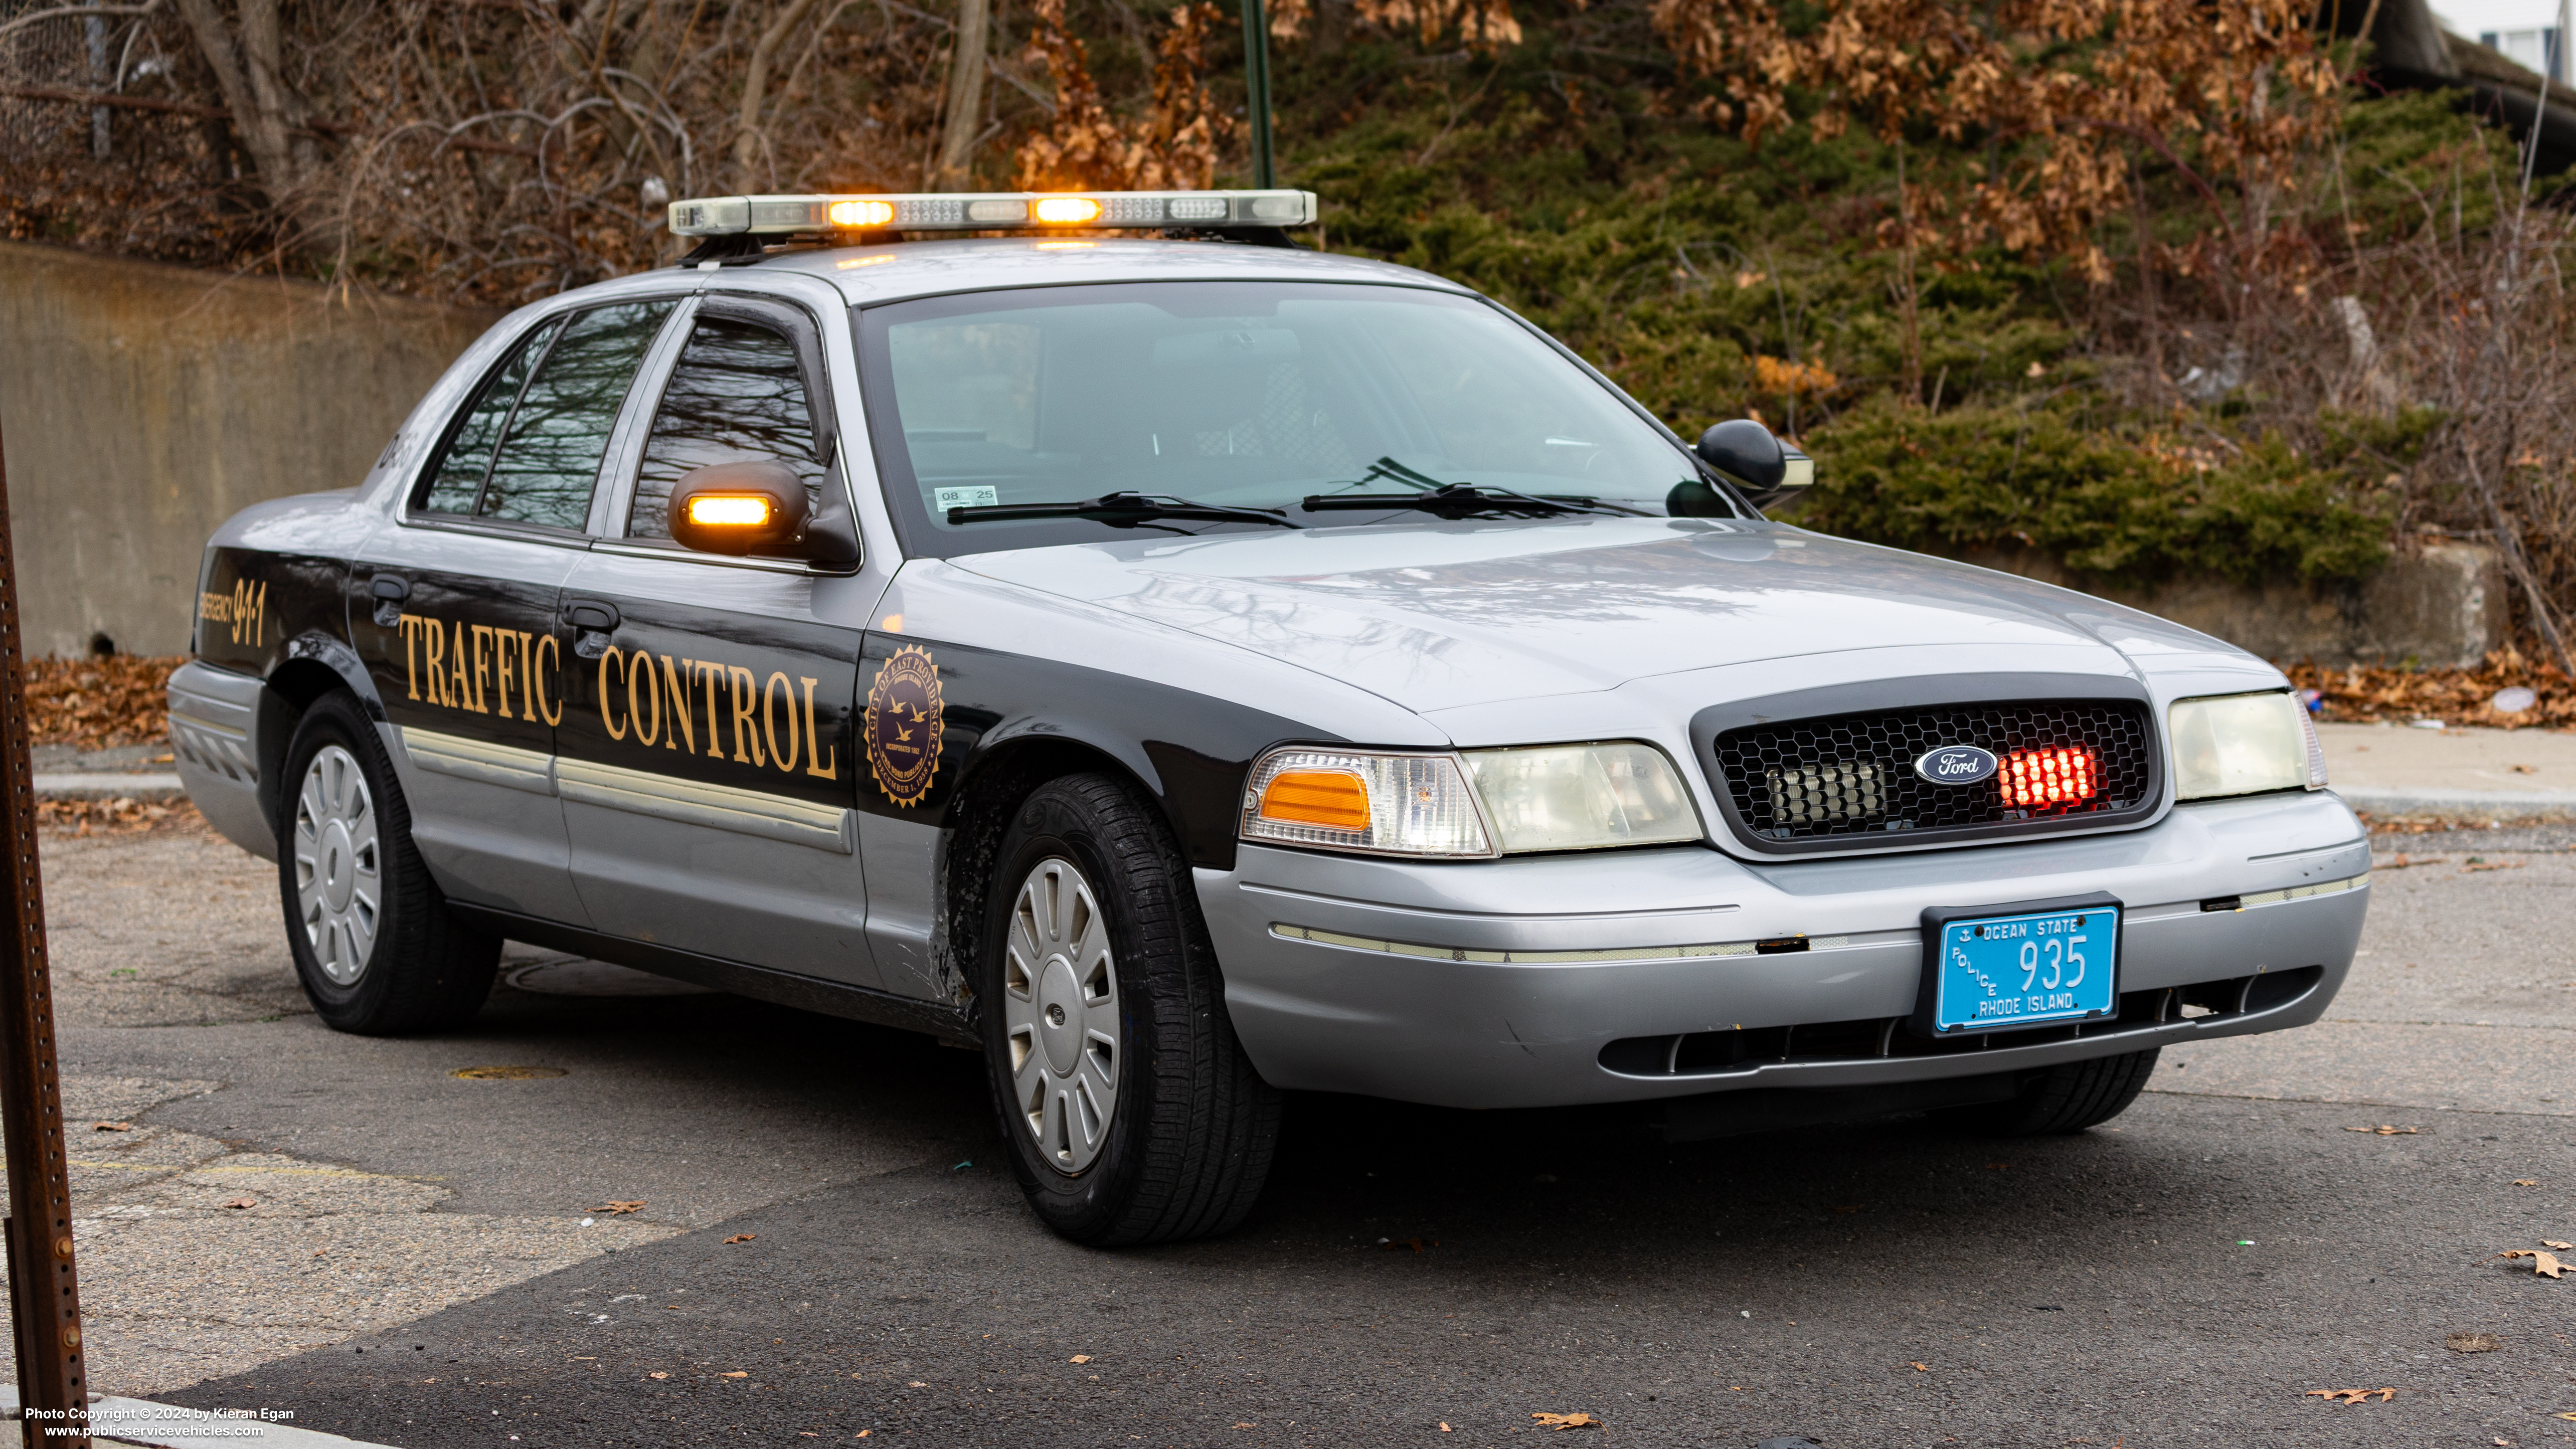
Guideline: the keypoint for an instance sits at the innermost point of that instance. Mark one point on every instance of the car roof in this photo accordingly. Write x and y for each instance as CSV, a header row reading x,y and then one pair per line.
x,y
868,274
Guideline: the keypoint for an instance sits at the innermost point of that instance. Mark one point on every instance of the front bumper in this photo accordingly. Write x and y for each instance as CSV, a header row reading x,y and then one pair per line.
x,y
1508,983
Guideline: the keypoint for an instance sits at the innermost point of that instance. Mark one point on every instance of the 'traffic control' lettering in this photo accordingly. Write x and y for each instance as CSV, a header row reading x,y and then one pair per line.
x,y
659,708
646,700
477,667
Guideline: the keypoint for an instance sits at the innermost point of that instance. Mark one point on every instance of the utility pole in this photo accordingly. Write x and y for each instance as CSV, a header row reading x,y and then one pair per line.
x,y
44,1302
1256,85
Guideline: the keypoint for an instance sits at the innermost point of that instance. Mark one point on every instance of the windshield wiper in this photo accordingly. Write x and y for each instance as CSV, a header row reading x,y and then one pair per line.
x,y
1119,510
1458,500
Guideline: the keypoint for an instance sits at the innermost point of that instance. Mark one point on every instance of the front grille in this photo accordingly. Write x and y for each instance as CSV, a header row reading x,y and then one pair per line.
x,y
1852,775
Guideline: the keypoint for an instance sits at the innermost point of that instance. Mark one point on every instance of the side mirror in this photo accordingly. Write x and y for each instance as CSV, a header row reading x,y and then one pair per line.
x,y
1748,453
757,507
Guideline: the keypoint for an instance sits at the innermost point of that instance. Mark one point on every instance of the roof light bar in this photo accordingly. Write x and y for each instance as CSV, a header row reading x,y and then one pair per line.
x,y
988,211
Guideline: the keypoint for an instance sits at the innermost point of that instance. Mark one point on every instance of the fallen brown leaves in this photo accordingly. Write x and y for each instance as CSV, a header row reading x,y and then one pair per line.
x,y
2350,1396
736,1374
2472,1343
657,1374
1567,1421
2490,865
111,1126
2543,1262
2453,696
617,1209
2384,1130
100,703
742,1237
241,1202
84,817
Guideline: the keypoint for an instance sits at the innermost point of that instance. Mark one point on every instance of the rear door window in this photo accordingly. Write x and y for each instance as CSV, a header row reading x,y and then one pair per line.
x,y
530,448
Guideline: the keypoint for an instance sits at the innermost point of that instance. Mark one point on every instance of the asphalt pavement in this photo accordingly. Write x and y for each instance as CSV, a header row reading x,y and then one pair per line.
x,y
2186,1275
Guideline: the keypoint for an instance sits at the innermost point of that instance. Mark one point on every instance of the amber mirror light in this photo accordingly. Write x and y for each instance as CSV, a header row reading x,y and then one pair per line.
x,y
739,508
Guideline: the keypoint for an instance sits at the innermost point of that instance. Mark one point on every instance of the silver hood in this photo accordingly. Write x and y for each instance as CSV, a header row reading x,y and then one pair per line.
x,y
1440,616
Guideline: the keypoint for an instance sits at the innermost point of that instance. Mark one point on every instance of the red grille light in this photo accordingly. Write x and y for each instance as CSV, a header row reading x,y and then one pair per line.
x,y
2049,779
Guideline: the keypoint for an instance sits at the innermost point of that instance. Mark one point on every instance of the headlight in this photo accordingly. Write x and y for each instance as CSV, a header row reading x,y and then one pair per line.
x,y
1583,797
1482,804
1380,804
2239,744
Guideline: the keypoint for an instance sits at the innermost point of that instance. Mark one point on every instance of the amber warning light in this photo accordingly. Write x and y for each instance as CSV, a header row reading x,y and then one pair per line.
x,y
826,216
2048,779
729,510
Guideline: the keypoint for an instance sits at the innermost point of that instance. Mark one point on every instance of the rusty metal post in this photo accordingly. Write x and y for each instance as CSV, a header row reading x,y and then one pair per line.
x,y
44,1304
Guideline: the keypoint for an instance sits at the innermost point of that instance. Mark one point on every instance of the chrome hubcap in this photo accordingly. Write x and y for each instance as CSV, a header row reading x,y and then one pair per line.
x,y
339,886
1060,1016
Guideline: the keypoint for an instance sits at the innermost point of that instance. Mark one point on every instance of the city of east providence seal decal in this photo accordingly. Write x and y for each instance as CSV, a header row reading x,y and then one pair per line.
x,y
903,725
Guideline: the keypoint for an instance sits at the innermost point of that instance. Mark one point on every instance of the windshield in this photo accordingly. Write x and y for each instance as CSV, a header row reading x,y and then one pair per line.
x,y
1239,395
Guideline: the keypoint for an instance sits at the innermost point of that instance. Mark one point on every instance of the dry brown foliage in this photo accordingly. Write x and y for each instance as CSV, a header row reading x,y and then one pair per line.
x,y
503,150
2070,93
1176,145
118,817
1483,25
2454,696
97,703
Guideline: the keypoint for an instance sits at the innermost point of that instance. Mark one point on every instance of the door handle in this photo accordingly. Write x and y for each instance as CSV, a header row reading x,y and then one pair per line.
x,y
389,591
594,621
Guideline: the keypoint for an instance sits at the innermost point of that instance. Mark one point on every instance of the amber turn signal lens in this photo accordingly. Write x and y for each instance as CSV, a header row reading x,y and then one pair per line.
x,y
1067,210
1336,799
728,510
862,213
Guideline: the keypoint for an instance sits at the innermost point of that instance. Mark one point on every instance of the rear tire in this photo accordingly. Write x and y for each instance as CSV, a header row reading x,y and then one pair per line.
x,y
1132,1114
2065,1098
373,942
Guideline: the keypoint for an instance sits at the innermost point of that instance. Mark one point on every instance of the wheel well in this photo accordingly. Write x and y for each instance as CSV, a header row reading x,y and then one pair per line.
x,y
291,691
982,815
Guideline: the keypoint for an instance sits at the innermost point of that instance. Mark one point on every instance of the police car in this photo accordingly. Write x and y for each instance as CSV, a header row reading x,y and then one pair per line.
x,y
1193,668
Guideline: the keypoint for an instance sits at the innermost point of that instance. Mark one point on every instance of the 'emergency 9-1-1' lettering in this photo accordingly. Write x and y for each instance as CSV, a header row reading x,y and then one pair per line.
x,y
644,699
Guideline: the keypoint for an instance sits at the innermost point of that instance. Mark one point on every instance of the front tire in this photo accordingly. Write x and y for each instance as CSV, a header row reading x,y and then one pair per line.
x,y
2069,1097
1132,1114
373,942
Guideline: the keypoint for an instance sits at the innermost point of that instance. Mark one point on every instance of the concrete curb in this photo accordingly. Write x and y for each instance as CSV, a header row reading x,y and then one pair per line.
x,y
108,785
2463,804
167,1426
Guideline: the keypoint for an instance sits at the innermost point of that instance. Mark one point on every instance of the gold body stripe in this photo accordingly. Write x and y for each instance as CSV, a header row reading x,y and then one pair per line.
x,y
750,812
506,765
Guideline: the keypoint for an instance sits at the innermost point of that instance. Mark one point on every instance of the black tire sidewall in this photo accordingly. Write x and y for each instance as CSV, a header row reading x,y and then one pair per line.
x,y
338,719
1060,822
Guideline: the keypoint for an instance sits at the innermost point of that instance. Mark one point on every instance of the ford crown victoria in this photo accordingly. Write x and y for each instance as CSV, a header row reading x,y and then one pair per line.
x,y
1194,668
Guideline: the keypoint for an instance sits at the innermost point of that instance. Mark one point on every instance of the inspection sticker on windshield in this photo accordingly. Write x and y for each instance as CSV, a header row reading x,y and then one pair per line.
x,y
984,497
1998,972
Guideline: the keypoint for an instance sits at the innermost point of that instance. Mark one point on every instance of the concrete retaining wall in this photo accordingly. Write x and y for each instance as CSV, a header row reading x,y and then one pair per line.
x,y
141,405
2446,604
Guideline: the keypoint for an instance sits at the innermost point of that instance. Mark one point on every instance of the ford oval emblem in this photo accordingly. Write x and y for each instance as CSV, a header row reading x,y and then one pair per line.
x,y
1956,765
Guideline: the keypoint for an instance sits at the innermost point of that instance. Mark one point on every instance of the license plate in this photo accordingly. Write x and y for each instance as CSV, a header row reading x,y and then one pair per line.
x,y
1998,969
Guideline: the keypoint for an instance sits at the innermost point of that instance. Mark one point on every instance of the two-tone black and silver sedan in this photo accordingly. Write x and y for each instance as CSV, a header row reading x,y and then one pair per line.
x,y
1194,667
